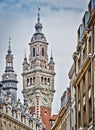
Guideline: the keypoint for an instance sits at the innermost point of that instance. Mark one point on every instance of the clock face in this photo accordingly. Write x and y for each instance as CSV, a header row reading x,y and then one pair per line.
x,y
7,76
45,100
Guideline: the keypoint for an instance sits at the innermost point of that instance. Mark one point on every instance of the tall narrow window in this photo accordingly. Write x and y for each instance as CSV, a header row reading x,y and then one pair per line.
x,y
93,4
33,80
33,52
27,82
30,81
48,81
45,80
41,79
43,51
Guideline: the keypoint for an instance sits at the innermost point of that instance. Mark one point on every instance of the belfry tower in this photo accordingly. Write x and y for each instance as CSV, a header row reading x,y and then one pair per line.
x,y
38,76
9,78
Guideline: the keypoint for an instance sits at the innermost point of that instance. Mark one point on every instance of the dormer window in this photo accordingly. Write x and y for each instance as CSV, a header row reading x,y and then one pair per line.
x,y
34,53
43,51
85,21
93,4
80,32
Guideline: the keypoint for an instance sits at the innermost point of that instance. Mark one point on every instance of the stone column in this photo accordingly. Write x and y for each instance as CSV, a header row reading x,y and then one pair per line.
x,y
87,97
75,57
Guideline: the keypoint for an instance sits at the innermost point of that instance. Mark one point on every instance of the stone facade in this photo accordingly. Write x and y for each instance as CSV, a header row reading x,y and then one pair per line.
x,y
17,116
84,59
82,78
72,111
63,121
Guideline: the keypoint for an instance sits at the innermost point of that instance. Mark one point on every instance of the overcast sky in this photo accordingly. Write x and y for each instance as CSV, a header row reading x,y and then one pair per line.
x,y
60,19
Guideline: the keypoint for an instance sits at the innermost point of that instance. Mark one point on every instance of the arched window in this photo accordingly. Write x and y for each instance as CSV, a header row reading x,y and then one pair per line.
x,y
27,82
30,81
45,80
34,53
41,79
33,80
49,81
43,51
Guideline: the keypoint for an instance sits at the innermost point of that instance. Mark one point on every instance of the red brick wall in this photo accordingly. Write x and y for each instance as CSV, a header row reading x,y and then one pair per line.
x,y
46,114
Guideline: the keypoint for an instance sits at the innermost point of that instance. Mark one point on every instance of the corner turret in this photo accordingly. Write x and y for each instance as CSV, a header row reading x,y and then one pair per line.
x,y
51,63
25,63
9,78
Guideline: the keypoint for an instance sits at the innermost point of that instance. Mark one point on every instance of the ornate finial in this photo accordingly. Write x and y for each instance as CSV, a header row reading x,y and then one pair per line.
x,y
51,58
9,50
25,58
38,25
38,15
51,55
9,41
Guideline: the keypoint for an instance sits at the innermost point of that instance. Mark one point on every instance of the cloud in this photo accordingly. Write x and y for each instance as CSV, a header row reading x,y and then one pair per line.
x,y
29,5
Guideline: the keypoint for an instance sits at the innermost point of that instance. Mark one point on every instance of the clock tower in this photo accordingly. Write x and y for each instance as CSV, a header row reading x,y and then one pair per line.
x,y
38,76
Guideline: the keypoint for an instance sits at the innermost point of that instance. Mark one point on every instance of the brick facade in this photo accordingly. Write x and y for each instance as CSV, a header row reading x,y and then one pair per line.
x,y
46,114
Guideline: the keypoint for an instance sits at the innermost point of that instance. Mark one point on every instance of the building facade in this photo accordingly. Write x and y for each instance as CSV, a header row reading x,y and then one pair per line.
x,y
82,78
84,81
38,76
17,116
72,103
63,121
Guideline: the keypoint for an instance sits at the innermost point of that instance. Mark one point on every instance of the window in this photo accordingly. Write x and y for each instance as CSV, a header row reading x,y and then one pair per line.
x,y
93,4
43,51
33,80
48,81
27,82
86,20
45,81
41,79
89,45
34,52
30,81
80,31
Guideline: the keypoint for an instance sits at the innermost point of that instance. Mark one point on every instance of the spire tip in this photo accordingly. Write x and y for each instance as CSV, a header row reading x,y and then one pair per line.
x,y
9,49
39,14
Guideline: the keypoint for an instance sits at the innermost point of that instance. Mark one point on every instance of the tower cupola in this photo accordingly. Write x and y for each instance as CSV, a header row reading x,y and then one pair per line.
x,y
38,36
9,59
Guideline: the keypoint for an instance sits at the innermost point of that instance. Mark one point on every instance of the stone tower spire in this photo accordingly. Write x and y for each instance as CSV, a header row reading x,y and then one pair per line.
x,y
25,63
9,78
38,79
51,63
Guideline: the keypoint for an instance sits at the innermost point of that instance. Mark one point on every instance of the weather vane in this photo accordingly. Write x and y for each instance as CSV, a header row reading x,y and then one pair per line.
x,y
9,40
39,14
